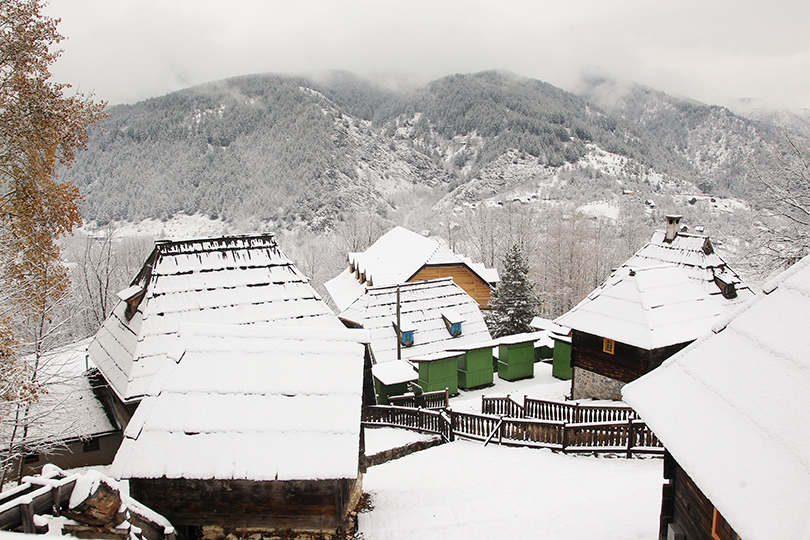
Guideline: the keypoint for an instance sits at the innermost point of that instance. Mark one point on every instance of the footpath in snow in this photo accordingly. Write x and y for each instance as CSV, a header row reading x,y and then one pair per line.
x,y
463,490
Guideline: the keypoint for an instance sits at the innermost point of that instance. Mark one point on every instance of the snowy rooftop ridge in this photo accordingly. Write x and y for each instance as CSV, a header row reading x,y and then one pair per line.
x,y
648,307
394,258
422,303
732,408
696,256
251,402
234,280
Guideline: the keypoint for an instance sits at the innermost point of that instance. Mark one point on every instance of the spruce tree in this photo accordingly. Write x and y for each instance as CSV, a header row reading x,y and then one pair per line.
x,y
514,301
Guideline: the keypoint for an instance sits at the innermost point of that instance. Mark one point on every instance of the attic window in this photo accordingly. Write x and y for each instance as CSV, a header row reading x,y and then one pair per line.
x,y
608,345
452,320
727,287
405,330
721,530
132,296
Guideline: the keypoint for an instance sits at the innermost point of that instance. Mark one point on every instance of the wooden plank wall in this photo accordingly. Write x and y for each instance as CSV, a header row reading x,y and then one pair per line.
x,y
298,505
687,505
627,364
464,278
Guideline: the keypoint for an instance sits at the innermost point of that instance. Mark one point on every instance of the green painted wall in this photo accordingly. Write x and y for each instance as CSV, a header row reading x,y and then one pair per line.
x,y
475,368
439,374
384,392
561,364
516,361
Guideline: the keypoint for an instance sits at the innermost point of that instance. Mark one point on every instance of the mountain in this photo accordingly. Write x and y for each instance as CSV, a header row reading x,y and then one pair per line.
x,y
292,150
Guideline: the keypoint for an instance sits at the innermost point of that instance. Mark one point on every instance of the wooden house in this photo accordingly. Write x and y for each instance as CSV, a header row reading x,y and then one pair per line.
x,y
426,309
251,427
69,425
696,256
631,323
733,412
229,280
401,256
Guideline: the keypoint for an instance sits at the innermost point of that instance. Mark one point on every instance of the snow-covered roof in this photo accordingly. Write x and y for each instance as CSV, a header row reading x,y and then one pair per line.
x,y
251,402
398,371
733,409
232,280
695,255
68,408
648,307
421,303
395,258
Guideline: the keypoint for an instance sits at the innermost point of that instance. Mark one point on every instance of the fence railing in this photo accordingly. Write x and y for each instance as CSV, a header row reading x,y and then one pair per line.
x,y
428,400
628,437
558,411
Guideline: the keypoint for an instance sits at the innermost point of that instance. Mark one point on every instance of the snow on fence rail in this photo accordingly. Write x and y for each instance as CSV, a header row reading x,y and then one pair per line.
x,y
428,400
559,411
631,436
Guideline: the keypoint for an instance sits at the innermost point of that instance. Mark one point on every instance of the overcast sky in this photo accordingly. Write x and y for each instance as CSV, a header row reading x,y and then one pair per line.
x,y
712,50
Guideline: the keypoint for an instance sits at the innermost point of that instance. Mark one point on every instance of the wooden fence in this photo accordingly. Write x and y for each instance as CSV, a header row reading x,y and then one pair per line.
x,y
558,411
628,437
428,400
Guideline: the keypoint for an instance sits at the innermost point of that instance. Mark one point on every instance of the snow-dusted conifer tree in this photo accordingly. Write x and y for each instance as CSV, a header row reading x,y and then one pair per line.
x,y
514,301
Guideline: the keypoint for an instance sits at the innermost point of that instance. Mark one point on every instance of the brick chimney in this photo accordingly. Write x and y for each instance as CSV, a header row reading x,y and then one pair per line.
x,y
673,226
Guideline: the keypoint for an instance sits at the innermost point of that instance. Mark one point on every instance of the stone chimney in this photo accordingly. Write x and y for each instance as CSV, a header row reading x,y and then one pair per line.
x,y
673,226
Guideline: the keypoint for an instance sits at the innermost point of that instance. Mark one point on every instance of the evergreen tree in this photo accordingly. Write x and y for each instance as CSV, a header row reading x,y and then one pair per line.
x,y
514,301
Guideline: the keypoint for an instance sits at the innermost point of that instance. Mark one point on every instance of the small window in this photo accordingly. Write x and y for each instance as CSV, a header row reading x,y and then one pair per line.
x,y
407,338
721,530
91,445
455,329
608,345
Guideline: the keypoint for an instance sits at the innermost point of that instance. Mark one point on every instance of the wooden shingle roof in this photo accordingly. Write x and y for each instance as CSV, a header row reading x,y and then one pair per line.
x,y
230,280
421,303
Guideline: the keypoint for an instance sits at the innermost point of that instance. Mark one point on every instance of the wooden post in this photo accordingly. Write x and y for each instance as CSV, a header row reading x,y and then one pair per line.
x,y
27,518
630,437
565,437
399,329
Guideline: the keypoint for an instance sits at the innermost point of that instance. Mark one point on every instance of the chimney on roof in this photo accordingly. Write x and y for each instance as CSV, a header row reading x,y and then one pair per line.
x,y
673,226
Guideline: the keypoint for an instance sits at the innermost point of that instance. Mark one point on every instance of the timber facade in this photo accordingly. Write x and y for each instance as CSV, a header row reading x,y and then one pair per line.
x,y
685,509
477,288
626,363
302,505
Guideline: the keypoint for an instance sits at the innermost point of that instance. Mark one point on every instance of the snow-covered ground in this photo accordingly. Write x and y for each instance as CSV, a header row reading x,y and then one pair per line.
x,y
463,490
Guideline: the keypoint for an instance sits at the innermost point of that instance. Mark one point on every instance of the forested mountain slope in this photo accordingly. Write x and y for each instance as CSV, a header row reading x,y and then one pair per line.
x,y
289,150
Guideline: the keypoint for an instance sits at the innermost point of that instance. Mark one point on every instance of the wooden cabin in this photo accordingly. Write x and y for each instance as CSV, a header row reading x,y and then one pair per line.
x,y
402,256
70,425
252,427
434,316
631,323
732,410
696,256
229,280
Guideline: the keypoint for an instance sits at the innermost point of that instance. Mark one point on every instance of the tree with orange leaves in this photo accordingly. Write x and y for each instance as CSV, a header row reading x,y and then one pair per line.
x,y
40,126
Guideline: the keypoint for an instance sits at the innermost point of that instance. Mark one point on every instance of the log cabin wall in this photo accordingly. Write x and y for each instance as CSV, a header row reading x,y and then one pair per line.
x,y
626,364
684,504
304,505
463,276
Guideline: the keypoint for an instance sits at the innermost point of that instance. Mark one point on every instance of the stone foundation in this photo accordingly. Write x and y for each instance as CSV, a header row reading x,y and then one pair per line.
x,y
587,384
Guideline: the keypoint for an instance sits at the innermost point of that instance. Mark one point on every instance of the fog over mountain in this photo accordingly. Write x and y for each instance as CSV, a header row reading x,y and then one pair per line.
x,y
290,150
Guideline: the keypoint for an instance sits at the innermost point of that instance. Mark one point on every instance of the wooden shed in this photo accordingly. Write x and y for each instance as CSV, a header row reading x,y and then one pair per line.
x,y
425,311
438,371
251,427
516,355
732,410
228,280
393,379
401,256
475,369
634,321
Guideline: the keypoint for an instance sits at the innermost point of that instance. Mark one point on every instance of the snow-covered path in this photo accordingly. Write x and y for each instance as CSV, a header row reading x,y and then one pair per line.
x,y
464,490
